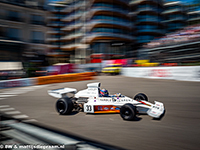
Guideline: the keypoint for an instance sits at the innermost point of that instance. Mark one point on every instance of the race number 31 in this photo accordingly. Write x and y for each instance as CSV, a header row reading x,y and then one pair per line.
x,y
88,108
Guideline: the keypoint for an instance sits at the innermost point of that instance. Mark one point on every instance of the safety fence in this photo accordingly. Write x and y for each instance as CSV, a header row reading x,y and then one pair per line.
x,y
183,73
47,79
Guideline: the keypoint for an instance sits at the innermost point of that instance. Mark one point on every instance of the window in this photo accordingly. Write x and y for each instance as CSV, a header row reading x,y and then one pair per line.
x,y
37,19
14,33
14,16
37,37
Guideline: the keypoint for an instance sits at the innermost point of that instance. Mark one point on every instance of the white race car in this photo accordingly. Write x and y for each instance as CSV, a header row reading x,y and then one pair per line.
x,y
90,101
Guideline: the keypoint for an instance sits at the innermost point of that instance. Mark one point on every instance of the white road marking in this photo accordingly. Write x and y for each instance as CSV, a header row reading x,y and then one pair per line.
x,y
3,106
30,120
13,112
22,90
7,109
20,116
7,95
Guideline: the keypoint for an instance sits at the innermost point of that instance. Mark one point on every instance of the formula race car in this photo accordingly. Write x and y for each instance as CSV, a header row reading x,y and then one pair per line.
x,y
91,100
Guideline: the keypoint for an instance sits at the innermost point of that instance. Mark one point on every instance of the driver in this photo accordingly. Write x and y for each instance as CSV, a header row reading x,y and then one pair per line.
x,y
104,93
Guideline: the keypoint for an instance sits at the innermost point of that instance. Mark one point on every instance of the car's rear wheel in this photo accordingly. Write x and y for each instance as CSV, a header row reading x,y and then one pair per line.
x,y
128,112
140,96
64,106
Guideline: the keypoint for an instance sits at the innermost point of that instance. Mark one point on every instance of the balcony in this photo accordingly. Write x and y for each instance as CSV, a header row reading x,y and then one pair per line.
x,y
104,9
53,39
73,7
72,17
72,27
72,36
106,36
74,46
175,19
93,23
148,9
53,46
136,2
176,10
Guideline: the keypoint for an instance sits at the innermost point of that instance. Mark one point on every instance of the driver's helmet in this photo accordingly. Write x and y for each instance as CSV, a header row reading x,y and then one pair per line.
x,y
104,92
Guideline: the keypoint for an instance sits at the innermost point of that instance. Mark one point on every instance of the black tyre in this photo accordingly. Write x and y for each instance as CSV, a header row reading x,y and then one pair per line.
x,y
128,112
141,96
64,106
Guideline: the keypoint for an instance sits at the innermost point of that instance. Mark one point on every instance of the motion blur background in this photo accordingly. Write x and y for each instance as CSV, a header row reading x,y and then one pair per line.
x,y
39,37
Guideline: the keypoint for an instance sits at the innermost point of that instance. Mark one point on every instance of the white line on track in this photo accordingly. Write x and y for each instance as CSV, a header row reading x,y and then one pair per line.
x,y
7,95
20,116
13,112
29,120
7,109
3,106
2,98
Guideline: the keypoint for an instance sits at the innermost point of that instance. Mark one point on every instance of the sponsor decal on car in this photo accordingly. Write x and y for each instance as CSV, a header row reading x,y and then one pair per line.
x,y
106,109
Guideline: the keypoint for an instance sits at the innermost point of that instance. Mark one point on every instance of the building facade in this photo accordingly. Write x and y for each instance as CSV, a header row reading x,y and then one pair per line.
x,y
22,30
148,19
175,16
100,28
55,15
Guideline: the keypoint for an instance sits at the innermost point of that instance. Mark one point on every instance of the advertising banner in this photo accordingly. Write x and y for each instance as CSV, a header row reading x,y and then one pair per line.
x,y
183,73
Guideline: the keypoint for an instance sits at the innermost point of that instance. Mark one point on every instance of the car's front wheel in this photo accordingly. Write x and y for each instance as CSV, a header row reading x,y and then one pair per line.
x,y
128,112
64,106
140,96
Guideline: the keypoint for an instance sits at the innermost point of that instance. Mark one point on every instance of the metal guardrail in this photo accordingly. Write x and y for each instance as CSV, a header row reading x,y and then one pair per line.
x,y
20,134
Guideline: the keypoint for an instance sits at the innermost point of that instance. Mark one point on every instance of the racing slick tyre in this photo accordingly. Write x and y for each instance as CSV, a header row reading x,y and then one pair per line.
x,y
128,112
140,96
64,106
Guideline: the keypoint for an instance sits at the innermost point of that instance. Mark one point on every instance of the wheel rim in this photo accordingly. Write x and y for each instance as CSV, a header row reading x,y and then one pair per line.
x,y
127,112
61,107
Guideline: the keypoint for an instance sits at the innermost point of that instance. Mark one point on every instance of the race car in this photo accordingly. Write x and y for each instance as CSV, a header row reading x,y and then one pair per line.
x,y
91,100
112,69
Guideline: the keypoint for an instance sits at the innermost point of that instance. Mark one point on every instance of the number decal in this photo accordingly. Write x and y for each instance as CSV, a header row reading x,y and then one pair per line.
x,y
88,108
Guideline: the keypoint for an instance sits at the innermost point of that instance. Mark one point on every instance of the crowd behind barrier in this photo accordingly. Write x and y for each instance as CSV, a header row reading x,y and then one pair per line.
x,y
187,34
47,80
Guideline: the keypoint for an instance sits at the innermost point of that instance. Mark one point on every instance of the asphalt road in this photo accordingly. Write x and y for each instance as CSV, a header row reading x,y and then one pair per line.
x,y
179,129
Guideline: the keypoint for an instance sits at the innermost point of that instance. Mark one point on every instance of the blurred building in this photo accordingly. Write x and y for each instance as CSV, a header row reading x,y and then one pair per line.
x,y
22,30
55,15
95,30
193,17
146,16
175,16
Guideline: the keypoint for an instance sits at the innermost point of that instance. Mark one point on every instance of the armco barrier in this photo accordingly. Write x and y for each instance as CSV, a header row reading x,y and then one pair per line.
x,y
64,78
17,83
183,73
47,80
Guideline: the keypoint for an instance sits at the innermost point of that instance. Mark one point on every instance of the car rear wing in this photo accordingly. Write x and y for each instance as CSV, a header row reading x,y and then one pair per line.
x,y
59,93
